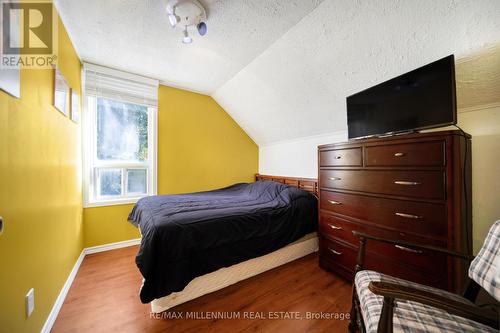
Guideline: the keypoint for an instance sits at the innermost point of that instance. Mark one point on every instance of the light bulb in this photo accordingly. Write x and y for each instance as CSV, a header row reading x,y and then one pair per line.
x,y
202,28
186,39
172,19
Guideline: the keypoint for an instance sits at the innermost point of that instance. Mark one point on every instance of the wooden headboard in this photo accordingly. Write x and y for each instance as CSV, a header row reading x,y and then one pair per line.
x,y
306,184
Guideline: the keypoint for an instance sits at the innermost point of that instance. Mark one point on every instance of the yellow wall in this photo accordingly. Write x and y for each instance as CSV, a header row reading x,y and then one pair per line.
x,y
40,194
103,225
200,147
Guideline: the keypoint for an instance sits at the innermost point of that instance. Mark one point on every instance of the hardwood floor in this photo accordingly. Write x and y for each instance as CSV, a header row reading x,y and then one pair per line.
x,y
104,298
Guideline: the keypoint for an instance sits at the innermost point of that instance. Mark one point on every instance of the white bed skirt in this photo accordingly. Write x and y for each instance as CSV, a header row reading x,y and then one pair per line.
x,y
230,275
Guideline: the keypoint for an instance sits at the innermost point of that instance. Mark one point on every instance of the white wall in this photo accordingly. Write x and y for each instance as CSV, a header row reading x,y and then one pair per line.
x,y
295,158
484,126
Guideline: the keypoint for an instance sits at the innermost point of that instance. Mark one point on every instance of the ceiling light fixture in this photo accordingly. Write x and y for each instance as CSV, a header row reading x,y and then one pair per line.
x,y
187,15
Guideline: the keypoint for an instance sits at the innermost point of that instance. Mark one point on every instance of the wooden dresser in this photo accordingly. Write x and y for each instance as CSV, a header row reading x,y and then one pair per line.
x,y
414,187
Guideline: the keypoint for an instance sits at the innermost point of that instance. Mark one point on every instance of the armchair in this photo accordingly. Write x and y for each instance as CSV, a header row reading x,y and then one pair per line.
x,y
385,304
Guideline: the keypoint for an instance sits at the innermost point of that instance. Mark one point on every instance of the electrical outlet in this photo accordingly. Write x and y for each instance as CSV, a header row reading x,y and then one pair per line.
x,y
30,302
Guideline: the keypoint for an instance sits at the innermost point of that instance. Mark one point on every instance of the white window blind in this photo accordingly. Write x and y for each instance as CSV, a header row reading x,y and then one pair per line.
x,y
120,136
113,84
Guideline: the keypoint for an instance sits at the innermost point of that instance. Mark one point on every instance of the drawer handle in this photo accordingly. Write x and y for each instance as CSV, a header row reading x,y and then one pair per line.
x,y
399,154
338,157
334,202
334,227
406,249
335,178
408,216
403,182
335,252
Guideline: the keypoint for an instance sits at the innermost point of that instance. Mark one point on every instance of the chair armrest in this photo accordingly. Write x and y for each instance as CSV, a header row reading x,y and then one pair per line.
x,y
462,309
414,245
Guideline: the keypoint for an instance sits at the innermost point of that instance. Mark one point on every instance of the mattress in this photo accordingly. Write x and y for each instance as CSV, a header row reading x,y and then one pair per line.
x,y
227,276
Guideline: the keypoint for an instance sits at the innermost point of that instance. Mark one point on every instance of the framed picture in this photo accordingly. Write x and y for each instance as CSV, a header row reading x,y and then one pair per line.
x,y
61,93
10,77
75,106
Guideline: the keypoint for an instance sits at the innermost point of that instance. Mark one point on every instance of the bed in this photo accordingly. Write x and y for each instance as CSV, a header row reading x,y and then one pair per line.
x,y
196,243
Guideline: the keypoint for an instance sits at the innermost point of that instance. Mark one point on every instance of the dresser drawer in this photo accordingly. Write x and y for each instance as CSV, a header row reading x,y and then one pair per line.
x,y
341,229
420,260
406,216
419,267
341,157
411,183
338,253
411,154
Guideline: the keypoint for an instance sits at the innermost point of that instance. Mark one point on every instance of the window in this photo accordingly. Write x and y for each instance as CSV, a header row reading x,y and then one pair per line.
x,y
119,138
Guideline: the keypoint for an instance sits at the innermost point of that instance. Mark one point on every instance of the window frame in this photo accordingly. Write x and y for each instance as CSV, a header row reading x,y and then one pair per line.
x,y
91,164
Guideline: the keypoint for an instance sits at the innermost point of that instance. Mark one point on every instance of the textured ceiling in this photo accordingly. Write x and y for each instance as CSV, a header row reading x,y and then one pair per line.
x,y
298,86
135,35
282,69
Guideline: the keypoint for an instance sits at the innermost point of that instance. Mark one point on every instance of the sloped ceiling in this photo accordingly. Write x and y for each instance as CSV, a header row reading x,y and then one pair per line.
x,y
282,69
135,36
298,86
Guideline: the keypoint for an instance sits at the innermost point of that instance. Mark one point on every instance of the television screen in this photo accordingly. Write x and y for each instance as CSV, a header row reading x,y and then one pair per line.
x,y
422,98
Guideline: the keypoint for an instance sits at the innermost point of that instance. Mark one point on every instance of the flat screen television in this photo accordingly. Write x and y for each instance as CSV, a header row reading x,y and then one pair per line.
x,y
422,98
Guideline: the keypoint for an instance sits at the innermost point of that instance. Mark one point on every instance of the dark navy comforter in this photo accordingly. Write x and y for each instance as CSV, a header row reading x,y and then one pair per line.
x,y
189,235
